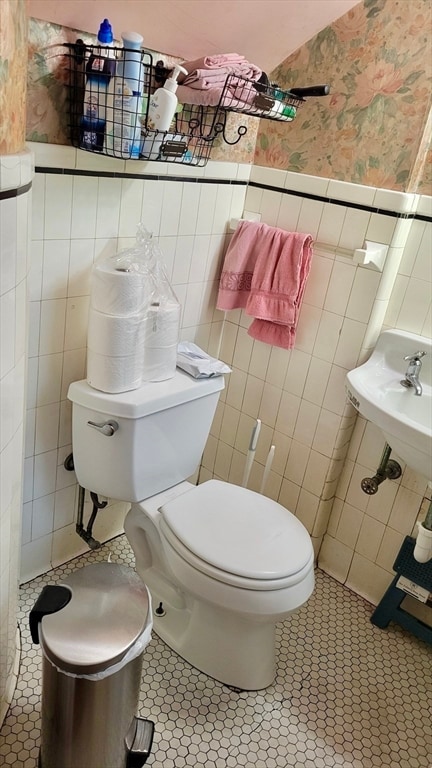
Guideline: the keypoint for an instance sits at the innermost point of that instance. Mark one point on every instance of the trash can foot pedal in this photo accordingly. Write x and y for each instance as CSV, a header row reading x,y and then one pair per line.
x,y
139,742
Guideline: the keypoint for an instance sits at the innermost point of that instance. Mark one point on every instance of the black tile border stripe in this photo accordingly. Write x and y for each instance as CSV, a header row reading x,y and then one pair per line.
x,y
344,203
231,182
139,176
8,193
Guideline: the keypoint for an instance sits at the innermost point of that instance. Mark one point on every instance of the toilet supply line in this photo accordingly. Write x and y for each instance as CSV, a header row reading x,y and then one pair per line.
x,y
267,467
251,452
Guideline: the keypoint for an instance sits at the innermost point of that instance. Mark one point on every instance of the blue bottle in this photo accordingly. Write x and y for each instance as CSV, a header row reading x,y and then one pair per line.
x,y
99,70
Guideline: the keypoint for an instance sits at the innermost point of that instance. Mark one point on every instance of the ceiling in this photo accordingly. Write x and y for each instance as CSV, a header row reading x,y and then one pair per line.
x,y
264,31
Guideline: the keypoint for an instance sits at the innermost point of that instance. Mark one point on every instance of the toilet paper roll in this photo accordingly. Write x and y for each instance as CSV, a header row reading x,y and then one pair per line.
x,y
115,335
114,374
162,325
118,292
159,363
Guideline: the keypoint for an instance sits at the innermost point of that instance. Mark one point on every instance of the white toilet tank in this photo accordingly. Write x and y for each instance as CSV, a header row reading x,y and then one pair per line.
x,y
155,440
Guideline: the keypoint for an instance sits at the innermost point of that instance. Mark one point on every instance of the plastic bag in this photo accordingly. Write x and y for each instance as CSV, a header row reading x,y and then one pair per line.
x,y
134,319
198,363
163,318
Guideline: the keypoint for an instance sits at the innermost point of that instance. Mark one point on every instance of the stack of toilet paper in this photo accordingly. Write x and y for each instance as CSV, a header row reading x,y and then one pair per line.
x,y
132,336
160,340
116,328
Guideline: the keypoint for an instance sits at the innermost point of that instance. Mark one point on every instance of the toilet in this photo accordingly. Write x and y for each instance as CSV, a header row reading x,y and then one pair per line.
x,y
223,564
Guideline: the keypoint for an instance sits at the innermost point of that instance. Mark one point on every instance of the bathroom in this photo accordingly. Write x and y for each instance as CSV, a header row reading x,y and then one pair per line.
x,y
321,180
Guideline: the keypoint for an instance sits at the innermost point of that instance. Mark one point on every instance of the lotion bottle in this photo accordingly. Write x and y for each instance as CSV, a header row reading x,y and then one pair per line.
x,y
163,102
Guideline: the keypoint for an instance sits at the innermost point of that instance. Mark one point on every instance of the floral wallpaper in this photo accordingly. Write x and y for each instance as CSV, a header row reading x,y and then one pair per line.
x,y
378,60
372,129
13,67
47,117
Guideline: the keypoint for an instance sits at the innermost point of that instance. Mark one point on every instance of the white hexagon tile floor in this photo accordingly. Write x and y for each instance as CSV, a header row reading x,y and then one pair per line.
x,y
346,693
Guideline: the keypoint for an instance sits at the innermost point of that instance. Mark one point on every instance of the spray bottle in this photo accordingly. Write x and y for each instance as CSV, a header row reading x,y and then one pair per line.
x,y
100,70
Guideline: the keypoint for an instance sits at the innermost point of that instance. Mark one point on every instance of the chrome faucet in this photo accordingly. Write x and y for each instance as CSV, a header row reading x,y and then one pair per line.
x,y
413,371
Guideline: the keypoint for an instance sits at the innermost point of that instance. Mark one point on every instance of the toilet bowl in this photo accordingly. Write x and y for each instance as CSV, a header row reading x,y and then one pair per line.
x,y
227,564
223,564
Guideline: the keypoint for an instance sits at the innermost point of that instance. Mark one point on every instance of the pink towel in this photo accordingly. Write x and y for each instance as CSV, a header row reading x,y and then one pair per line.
x,y
207,97
231,63
236,278
265,272
206,82
236,94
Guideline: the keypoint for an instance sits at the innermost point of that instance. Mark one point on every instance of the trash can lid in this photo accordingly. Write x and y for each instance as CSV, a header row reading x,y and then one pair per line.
x,y
107,612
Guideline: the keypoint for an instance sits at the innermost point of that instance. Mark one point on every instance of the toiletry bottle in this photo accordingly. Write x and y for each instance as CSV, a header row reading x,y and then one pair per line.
x,y
127,99
280,109
99,70
163,102
130,65
153,142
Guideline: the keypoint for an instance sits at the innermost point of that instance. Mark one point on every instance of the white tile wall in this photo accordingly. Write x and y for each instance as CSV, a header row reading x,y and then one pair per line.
x,y
77,220
307,422
299,395
15,173
390,515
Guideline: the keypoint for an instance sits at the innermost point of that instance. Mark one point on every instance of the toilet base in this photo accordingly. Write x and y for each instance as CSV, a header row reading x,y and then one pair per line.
x,y
226,631
236,651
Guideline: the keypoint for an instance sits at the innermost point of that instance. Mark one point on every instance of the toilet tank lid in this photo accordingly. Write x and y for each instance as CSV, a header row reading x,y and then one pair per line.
x,y
150,398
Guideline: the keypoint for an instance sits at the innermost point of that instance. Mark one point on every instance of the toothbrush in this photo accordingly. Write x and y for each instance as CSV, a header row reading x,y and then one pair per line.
x,y
251,452
267,467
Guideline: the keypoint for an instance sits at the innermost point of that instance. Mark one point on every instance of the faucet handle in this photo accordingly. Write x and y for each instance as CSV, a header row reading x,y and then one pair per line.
x,y
415,356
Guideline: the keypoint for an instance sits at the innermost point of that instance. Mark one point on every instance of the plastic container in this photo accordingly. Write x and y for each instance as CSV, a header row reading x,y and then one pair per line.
x,y
124,124
163,103
100,70
423,545
127,121
130,65
93,629
282,111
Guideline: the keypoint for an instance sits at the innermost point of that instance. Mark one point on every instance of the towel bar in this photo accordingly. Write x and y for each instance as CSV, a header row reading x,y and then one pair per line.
x,y
372,254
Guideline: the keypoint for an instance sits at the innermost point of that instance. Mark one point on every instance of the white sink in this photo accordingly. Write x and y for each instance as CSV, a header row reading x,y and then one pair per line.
x,y
404,418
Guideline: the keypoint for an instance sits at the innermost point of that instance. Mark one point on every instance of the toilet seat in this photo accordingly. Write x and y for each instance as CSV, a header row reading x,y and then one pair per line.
x,y
237,536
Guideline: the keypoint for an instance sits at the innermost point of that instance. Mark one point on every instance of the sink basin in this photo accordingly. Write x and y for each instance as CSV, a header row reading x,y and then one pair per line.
x,y
404,418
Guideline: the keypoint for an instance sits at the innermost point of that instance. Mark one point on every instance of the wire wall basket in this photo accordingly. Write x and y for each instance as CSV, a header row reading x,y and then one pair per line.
x,y
252,98
109,116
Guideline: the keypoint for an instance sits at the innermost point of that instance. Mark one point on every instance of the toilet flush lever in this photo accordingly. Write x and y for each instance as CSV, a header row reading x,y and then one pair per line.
x,y
107,427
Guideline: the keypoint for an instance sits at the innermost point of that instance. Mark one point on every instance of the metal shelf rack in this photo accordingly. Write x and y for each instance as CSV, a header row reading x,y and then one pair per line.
x,y
194,128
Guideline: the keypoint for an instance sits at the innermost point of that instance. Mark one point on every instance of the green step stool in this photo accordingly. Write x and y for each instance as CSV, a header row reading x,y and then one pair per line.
x,y
388,609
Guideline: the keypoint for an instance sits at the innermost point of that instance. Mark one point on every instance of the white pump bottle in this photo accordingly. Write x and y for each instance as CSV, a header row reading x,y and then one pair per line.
x,y
163,102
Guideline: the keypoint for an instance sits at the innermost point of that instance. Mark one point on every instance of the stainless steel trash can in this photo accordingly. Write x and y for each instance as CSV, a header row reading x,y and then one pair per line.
x,y
93,628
